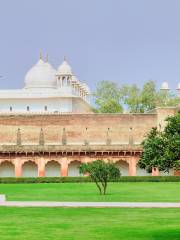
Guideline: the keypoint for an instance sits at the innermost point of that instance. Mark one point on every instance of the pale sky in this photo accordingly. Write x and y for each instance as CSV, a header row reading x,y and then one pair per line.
x,y
126,41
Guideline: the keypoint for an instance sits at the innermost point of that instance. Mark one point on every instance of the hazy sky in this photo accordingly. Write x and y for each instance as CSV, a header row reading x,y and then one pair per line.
x,y
127,41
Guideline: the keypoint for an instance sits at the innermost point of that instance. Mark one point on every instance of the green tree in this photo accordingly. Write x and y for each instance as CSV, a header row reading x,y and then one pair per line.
x,y
171,157
101,172
108,98
132,98
166,99
153,150
148,96
162,148
173,101
145,99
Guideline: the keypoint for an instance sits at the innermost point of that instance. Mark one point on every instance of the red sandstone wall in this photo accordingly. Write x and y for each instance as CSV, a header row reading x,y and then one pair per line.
x,y
163,113
76,125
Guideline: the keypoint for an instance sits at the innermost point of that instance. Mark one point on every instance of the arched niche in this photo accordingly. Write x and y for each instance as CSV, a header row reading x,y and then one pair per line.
x,y
124,167
52,169
73,168
141,172
7,169
170,173
29,169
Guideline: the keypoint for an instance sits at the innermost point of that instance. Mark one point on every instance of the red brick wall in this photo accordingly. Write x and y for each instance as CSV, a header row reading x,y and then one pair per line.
x,y
76,125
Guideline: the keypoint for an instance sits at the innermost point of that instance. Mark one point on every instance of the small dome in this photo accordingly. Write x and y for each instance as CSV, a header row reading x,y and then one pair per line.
x,y
42,75
75,80
178,86
64,68
164,86
86,88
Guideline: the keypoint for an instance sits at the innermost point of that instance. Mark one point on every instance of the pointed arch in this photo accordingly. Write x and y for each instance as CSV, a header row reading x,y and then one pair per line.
x,y
29,169
52,169
73,168
123,166
7,169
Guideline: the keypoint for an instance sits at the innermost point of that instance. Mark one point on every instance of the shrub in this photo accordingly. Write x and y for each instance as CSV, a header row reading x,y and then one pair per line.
x,y
101,173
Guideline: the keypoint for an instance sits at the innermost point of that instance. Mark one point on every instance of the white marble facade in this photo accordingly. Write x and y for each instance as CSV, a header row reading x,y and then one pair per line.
x,y
47,90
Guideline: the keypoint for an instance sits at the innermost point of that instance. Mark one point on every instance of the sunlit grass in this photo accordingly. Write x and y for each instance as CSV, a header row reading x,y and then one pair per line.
x,y
124,192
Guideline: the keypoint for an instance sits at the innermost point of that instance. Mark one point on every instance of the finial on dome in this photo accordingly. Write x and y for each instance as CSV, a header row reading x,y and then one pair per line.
x,y
40,55
65,58
47,57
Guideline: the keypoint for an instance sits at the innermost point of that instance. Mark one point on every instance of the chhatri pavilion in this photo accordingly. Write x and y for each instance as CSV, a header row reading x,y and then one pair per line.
x,y
47,90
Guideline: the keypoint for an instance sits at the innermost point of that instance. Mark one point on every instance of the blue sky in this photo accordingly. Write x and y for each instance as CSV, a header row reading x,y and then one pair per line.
x,y
126,41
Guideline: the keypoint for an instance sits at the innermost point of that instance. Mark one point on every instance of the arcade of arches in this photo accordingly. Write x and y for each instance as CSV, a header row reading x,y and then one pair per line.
x,y
61,167
55,167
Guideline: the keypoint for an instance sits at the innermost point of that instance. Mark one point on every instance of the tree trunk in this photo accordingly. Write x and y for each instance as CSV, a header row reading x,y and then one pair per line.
x,y
100,191
105,186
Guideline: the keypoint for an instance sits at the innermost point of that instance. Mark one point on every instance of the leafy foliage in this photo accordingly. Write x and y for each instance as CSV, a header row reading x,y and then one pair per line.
x,y
101,172
111,98
153,149
171,156
132,98
108,98
162,149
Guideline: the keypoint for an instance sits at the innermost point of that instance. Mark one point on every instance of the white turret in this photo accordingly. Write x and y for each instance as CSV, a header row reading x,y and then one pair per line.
x,y
64,69
178,87
165,86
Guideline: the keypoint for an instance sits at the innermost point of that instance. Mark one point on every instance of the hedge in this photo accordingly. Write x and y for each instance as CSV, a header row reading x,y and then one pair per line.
x,y
88,179
44,179
150,179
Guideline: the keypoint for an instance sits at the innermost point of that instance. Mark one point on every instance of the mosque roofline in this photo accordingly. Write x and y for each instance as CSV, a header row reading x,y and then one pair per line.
x,y
35,93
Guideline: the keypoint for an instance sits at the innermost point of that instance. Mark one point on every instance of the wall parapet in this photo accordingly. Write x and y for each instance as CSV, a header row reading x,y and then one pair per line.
x,y
68,148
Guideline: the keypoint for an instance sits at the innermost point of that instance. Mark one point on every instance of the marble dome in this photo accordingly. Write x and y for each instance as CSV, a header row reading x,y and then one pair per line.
x,y
41,75
75,80
64,68
164,86
86,88
178,87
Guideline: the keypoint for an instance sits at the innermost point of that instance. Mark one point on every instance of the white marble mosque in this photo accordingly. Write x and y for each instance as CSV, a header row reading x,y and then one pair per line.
x,y
47,90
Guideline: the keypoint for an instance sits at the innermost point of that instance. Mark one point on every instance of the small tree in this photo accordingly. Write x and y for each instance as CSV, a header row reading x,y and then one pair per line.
x,y
101,172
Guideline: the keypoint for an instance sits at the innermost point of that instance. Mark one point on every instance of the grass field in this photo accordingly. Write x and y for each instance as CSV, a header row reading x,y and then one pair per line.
x,y
89,224
133,192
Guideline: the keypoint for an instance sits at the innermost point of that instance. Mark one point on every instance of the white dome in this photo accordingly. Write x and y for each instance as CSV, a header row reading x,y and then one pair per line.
x,y
178,87
64,69
75,80
42,75
86,88
51,68
164,86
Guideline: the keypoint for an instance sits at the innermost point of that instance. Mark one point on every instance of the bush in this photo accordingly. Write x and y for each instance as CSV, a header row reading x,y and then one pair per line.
x,y
87,179
150,179
44,179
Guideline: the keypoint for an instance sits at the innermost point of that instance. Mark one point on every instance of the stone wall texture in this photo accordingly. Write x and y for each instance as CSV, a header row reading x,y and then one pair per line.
x,y
78,127
70,139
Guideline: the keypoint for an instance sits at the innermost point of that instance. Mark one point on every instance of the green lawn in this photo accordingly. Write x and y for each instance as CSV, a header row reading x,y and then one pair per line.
x,y
89,224
133,192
